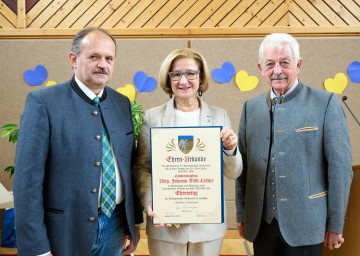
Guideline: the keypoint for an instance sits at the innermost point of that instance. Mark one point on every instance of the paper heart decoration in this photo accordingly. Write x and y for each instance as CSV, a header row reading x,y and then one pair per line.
x,y
36,76
50,83
245,82
144,83
336,85
354,72
128,90
225,73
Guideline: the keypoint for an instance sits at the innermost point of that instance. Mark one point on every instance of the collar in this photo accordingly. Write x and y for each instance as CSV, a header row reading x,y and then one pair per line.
x,y
293,86
86,90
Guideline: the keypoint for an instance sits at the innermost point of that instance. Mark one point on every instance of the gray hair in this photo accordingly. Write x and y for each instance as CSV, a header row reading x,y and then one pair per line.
x,y
75,48
279,40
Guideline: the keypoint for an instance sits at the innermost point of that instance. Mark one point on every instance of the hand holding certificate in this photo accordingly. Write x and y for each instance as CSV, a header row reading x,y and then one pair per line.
x,y
187,175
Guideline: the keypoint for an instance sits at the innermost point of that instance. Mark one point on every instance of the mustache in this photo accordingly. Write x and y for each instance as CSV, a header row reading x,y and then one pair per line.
x,y
277,77
100,70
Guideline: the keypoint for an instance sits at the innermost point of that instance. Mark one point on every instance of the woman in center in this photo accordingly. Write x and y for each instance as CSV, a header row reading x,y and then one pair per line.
x,y
184,76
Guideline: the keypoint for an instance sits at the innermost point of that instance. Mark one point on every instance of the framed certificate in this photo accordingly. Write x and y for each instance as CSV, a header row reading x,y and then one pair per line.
x,y
187,175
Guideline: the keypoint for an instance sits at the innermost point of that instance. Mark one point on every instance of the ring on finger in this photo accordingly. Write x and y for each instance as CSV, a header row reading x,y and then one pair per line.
x,y
337,246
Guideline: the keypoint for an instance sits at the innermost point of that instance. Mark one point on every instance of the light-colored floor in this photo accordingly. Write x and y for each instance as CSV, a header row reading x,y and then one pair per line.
x,y
233,245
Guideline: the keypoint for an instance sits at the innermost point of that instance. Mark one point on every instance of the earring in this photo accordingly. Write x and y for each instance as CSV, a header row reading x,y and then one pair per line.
x,y
200,93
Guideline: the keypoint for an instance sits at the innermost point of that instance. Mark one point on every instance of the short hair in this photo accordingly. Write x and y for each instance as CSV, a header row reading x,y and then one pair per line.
x,y
75,48
164,79
279,40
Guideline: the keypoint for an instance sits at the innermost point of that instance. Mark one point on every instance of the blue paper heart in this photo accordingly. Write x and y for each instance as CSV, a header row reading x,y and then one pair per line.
x,y
36,76
144,83
225,73
354,72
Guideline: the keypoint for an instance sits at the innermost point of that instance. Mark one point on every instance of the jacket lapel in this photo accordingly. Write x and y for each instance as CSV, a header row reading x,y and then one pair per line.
x,y
169,115
206,118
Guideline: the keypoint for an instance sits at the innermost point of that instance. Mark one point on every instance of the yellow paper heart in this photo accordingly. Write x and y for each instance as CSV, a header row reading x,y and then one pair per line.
x,y
50,83
336,85
128,90
245,82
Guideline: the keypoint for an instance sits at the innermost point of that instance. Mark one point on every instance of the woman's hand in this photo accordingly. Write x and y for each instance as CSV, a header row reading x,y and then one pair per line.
x,y
152,214
228,138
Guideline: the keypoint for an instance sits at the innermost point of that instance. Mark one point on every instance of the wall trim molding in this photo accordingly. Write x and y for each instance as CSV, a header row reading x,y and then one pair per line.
x,y
145,33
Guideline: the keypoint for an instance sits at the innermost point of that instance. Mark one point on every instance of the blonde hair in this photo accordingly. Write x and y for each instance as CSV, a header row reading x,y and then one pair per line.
x,y
164,79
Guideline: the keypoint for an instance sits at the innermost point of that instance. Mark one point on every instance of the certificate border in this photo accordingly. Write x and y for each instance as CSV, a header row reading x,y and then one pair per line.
x,y
221,166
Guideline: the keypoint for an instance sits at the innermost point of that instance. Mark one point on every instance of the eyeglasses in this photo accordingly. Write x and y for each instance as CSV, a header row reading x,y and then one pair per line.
x,y
190,75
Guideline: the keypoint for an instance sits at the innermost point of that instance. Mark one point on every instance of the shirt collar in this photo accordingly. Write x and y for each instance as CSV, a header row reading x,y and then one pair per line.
x,y
86,90
273,95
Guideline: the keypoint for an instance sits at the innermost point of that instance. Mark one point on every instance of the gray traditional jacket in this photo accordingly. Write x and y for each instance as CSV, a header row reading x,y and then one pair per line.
x,y
312,158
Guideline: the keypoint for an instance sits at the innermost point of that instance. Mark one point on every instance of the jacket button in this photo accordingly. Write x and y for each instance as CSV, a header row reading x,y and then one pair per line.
x,y
95,113
94,190
91,218
97,137
97,164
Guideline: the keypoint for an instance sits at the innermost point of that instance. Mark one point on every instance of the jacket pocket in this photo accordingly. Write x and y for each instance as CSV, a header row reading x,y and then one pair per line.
x,y
307,129
54,210
321,194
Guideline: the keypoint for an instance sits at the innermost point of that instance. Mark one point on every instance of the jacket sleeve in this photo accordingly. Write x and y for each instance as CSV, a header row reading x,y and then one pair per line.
x,y
338,155
142,163
240,183
233,165
31,156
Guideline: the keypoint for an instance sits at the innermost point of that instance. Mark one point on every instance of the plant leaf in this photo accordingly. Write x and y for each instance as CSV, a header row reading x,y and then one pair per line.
x,y
9,126
10,169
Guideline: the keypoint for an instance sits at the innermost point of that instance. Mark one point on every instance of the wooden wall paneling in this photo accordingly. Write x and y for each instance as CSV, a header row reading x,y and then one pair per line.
x,y
284,21
302,16
249,14
328,13
162,13
119,14
89,14
314,13
152,9
105,13
293,21
266,11
21,12
134,13
37,9
342,12
176,14
5,22
191,13
8,18
236,13
61,13
276,15
205,14
351,7
220,14
76,13
47,14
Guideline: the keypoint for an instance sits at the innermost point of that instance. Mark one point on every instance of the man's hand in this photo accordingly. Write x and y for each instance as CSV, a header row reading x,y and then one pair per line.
x,y
130,248
333,240
240,228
